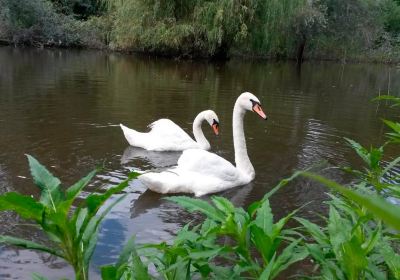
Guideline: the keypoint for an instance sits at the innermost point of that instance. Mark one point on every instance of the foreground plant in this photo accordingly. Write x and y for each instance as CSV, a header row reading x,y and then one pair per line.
x,y
248,243
72,230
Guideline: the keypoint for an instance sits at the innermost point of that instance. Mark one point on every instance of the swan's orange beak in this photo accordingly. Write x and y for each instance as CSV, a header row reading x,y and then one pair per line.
x,y
215,127
257,108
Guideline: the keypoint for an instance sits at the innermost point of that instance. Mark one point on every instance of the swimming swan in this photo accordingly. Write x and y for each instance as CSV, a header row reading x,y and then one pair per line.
x,y
201,172
165,135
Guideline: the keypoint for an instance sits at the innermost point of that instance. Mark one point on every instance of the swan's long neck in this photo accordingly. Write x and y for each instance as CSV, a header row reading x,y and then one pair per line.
x,y
198,132
242,160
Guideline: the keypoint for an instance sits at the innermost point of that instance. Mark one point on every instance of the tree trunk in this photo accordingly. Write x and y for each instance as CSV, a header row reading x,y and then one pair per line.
x,y
300,50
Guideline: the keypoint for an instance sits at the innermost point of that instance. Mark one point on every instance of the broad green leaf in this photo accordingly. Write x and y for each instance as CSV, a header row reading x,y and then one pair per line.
x,y
81,215
253,208
49,185
262,242
315,231
376,204
25,206
186,235
391,259
208,226
198,205
354,259
339,231
316,252
264,218
108,272
360,150
28,245
223,204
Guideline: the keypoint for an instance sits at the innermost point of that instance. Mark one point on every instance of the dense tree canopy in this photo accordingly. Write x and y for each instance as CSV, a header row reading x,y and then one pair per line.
x,y
219,28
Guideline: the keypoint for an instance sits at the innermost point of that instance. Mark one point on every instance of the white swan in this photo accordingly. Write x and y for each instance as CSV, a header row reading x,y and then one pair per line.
x,y
165,135
201,172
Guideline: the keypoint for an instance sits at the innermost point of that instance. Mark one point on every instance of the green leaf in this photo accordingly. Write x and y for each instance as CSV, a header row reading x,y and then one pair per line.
x,y
395,135
387,97
360,150
95,201
49,185
204,254
139,269
376,204
262,242
315,231
199,205
281,184
264,218
36,276
89,236
290,255
354,259
28,245
108,272
266,274
76,188
277,228
25,206
392,259
81,215
126,252
223,204
373,239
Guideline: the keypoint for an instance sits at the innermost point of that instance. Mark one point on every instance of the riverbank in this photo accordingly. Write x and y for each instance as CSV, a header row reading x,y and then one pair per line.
x,y
379,58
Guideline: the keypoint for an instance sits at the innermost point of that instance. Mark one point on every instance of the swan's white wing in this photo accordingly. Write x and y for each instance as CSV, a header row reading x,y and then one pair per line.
x,y
168,135
207,164
198,171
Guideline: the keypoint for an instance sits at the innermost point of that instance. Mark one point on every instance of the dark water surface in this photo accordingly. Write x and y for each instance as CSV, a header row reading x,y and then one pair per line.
x,y
64,107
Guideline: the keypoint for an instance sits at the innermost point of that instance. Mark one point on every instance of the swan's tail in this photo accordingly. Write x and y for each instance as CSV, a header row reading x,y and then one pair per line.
x,y
134,137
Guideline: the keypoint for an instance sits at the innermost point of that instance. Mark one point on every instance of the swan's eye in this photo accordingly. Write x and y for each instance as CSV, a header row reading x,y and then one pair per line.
x,y
215,122
254,103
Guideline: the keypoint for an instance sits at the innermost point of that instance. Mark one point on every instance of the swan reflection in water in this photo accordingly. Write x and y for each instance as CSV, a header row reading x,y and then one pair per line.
x,y
138,157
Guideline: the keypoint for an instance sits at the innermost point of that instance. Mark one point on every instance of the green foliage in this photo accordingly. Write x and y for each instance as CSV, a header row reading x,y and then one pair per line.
x,y
354,244
249,243
42,23
205,28
73,231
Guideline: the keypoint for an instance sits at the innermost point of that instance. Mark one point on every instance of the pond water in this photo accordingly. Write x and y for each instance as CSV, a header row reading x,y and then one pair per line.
x,y
64,108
